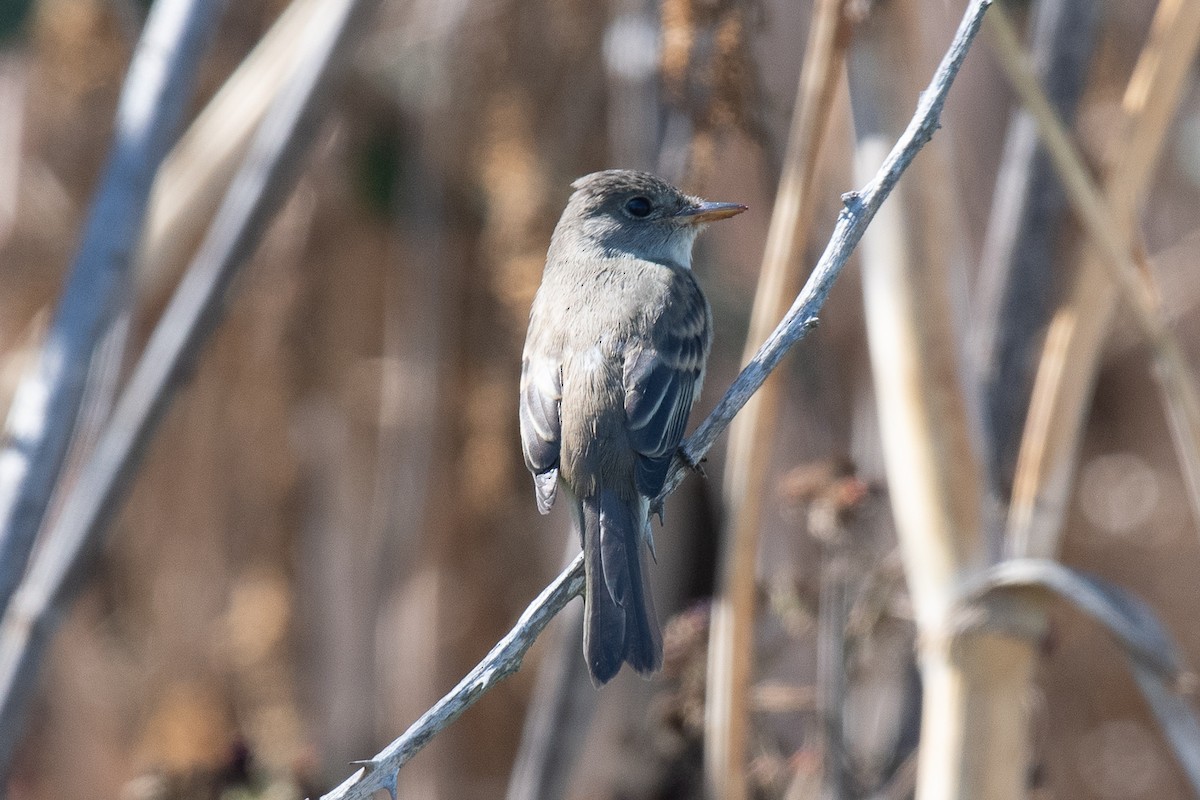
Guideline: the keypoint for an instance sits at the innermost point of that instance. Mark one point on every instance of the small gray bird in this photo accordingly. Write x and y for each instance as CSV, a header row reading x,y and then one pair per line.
x,y
618,337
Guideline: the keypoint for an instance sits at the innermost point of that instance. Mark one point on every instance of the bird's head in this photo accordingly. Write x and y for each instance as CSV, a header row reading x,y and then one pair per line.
x,y
636,213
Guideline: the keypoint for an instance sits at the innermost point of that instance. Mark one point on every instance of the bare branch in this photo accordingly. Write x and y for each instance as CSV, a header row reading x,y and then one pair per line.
x,y
504,659
860,207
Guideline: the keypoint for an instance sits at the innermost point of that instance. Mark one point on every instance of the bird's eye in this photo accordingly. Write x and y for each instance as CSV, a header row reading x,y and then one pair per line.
x,y
639,207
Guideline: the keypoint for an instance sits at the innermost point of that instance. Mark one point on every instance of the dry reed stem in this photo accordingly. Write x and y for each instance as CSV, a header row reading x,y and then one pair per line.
x,y
907,256
262,183
41,424
1014,297
193,178
1074,342
974,727
1025,586
1110,237
731,642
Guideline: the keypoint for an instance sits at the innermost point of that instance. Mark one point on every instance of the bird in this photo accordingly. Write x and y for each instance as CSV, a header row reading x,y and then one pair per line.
x,y
614,358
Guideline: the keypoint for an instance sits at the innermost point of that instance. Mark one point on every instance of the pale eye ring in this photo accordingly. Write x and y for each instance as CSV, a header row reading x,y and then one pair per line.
x,y
639,207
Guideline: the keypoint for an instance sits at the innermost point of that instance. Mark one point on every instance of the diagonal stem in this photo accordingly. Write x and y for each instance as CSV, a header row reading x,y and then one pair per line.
x,y
44,410
1071,355
194,313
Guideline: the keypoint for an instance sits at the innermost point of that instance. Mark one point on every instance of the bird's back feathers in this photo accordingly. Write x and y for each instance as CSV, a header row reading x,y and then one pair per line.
x,y
614,358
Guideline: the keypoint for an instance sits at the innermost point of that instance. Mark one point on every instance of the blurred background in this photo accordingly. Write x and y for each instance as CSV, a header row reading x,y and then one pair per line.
x,y
334,523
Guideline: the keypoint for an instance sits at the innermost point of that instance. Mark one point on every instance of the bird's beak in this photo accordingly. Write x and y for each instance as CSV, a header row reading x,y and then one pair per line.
x,y
709,212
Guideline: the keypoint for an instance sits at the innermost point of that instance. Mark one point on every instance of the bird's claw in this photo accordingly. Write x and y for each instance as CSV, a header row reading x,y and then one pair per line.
x,y
691,463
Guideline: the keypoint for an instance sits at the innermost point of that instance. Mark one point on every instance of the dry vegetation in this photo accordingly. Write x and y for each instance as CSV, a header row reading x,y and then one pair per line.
x,y
333,524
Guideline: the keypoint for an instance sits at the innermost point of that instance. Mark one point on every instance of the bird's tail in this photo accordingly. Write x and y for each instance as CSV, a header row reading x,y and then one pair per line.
x,y
619,620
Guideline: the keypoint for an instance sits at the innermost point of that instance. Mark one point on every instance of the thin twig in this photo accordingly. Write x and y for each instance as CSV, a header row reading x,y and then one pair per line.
x,y
860,207
858,211
44,409
731,646
504,659
198,306
556,723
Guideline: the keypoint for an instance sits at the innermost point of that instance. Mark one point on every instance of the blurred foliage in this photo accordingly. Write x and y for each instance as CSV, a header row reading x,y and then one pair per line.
x,y
13,15
335,522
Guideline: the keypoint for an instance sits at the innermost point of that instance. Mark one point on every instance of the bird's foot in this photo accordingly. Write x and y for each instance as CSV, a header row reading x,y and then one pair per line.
x,y
691,463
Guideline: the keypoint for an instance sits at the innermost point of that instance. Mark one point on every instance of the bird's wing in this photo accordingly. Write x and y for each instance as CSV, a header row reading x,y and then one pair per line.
x,y
662,378
541,424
